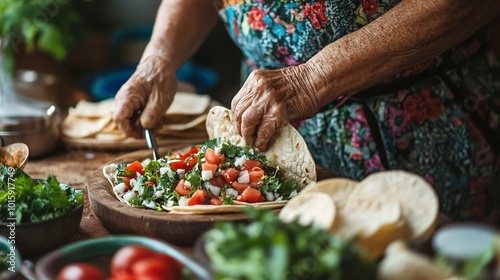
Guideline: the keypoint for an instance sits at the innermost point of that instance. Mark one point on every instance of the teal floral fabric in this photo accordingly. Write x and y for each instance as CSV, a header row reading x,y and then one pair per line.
x,y
439,119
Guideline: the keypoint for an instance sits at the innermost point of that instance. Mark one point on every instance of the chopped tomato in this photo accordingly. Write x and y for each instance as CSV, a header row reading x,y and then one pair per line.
x,y
198,198
249,164
256,175
213,157
126,181
176,165
133,168
181,188
188,154
209,166
186,161
174,155
239,186
218,182
191,162
250,195
215,201
230,174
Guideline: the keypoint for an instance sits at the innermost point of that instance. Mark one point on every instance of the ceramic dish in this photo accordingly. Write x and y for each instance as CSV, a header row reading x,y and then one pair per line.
x,y
36,239
98,252
13,259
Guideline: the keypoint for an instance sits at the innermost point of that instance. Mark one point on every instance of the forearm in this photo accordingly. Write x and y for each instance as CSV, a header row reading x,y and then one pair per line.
x,y
410,33
180,28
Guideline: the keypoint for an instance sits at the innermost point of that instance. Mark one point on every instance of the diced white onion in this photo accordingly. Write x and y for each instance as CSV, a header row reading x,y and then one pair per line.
x,y
206,175
203,160
183,201
164,170
280,198
293,193
181,172
187,184
231,192
244,177
135,185
158,194
217,150
213,189
170,203
149,204
239,161
129,195
269,196
120,188
145,162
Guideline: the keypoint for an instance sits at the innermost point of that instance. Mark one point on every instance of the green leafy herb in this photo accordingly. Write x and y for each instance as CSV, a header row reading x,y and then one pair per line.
x,y
271,249
33,200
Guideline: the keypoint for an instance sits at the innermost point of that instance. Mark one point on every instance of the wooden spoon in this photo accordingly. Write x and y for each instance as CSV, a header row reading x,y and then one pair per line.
x,y
19,152
7,158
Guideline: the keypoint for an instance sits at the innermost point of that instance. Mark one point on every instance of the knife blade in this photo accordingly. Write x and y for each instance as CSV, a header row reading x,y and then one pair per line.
x,y
151,141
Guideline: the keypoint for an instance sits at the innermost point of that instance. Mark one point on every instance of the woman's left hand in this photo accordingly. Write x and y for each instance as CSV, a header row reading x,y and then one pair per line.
x,y
270,99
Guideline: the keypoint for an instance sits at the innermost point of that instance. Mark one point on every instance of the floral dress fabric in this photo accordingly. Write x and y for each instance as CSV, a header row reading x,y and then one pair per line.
x,y
440,119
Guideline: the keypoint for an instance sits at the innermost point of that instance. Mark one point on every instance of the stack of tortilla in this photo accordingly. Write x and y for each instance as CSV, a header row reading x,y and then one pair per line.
x,y
91,124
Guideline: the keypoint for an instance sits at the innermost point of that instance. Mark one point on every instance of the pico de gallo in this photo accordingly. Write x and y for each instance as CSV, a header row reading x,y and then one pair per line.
x,y
216,173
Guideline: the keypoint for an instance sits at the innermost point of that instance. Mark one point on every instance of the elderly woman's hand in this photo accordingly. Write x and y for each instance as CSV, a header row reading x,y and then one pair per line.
x,y
269,99
142,100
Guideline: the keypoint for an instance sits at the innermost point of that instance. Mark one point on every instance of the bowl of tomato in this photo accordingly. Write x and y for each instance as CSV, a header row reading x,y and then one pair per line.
x,y
119,257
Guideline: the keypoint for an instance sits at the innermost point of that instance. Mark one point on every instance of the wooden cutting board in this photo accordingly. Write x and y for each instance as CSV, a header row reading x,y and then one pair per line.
x,y
179,229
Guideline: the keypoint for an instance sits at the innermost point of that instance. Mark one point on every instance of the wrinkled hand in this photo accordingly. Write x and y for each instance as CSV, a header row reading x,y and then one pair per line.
x,y
149,91
270,99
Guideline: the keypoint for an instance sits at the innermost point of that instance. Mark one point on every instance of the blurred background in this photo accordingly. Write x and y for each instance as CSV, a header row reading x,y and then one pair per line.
x,y
109,39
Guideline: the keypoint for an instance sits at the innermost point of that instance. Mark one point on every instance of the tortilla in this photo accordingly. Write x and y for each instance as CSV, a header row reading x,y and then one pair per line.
x,y
287,148
337,188
196,103
310,209
110,172
411,191
78,127
218,209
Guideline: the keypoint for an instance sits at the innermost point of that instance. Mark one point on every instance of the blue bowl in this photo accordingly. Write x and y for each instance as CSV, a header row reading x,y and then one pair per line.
x,y
99,251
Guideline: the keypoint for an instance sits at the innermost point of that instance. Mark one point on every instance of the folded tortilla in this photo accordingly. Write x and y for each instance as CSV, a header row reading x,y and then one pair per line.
x,y
287,149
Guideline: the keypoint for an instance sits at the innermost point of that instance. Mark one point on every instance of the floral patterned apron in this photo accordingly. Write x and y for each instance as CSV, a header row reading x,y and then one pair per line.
x,y
439,119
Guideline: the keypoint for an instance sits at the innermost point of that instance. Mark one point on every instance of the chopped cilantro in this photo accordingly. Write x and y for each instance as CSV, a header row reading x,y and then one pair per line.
x,y
268,248
227,200
35,200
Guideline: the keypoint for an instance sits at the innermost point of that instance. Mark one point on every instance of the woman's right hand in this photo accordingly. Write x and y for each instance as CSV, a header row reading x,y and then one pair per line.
x,y
142,101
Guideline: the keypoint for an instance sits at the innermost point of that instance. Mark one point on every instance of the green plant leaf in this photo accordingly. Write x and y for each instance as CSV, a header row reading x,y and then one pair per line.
x,y
52,41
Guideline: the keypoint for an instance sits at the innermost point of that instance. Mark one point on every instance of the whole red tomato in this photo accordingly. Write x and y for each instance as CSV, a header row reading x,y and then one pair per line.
x,y
80,271
137,262
122,260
